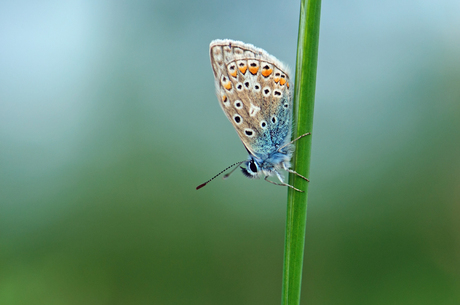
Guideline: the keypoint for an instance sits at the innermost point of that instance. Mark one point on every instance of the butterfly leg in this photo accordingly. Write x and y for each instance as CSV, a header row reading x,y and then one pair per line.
x,y
283,184
281,179
294,172
305,134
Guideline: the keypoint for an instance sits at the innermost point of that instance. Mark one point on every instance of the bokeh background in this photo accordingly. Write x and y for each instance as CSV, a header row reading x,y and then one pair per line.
x,y
108,121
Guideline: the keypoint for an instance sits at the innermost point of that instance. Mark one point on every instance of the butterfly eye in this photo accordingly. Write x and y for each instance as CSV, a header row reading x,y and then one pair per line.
x,y
274,120
239,86
256,87
247,173
277,93
286,105
253,167
263,124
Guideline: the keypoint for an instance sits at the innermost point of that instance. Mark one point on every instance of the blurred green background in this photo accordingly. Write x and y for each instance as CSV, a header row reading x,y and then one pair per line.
x,y
108,122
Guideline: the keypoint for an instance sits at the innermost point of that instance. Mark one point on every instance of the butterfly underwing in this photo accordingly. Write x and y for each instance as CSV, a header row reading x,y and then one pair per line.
x,y
253,89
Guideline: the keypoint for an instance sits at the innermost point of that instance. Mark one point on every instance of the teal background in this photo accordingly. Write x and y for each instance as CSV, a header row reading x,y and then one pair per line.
x,y
108,122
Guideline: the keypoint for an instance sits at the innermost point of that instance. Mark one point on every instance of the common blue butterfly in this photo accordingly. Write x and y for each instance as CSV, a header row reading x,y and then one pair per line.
x,y
253,90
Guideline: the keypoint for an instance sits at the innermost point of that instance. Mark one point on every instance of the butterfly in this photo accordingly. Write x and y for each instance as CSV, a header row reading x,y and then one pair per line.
x,y
253,90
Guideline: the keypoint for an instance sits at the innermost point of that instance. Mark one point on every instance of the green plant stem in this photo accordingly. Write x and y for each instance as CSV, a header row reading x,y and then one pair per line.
x,y
304,99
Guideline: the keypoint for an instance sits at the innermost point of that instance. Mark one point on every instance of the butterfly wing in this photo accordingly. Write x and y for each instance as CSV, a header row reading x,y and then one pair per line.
x,y
253,91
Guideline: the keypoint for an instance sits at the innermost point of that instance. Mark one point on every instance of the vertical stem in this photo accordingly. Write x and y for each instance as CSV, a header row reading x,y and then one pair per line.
x,y
304,99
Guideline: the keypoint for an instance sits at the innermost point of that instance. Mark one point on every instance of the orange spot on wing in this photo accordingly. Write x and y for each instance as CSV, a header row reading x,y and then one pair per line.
x,y
243,69
228,85
282,81
253,70
287,85
224,98
277,79
233,73
267,72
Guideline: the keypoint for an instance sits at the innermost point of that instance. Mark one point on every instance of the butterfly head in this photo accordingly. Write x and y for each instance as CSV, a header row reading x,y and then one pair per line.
x,y
252,170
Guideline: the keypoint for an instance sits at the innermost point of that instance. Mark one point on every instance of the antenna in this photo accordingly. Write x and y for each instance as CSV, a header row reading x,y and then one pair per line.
x,y
203,184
